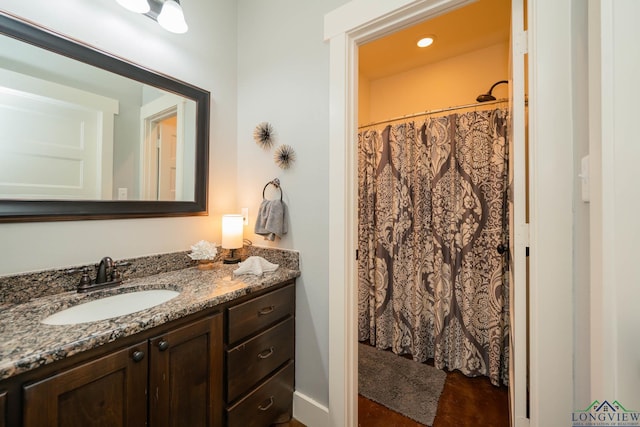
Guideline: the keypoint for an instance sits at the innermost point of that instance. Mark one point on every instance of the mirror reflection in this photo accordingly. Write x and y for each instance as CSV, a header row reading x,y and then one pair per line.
x,y
73,131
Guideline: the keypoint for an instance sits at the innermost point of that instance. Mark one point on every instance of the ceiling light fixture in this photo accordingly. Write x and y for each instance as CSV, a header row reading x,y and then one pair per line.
x,y
138,6
426,41
167,13
171,17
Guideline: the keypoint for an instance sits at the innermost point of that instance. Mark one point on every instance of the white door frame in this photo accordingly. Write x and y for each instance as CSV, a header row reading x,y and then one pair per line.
x,y
353,24
518,227
360,21
150,113
551,217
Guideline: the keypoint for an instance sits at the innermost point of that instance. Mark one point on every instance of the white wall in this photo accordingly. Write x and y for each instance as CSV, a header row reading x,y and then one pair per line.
x,y
283,79
206,57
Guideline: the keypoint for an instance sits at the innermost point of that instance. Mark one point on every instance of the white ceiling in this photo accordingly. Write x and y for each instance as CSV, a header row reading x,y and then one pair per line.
x,y
473,27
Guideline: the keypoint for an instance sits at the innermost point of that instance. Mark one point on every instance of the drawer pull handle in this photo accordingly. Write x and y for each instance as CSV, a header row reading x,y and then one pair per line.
x,y
269,405
266,353
163,345
266,310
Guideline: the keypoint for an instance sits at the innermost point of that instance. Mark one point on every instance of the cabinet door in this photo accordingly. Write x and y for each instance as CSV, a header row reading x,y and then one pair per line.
x,y
3,408
109,391
185,375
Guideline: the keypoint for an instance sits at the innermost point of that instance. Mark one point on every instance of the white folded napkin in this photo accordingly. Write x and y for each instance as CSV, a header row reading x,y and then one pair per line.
x,y
255,265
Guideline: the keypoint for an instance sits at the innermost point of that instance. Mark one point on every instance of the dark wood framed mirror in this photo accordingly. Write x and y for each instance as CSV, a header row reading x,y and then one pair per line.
x,y
84,133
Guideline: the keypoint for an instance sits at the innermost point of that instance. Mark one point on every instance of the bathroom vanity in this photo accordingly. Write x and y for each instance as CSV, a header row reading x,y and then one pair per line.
x,y
220,353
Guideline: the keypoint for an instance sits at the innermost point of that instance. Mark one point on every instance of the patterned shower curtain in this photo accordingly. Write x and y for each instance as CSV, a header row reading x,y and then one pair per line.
x,y
431,215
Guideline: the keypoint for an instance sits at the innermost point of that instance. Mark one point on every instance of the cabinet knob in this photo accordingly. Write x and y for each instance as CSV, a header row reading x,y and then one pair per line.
x,y
163,345
137,355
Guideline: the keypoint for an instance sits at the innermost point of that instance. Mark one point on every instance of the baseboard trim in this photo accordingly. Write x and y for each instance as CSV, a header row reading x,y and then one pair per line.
x,y
309,412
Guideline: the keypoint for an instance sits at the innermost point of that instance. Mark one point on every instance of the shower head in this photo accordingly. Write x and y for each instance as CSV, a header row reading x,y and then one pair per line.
x,y
485,97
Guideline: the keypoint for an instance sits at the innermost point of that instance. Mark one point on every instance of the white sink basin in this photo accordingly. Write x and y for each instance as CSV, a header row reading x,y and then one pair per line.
x,y
108,307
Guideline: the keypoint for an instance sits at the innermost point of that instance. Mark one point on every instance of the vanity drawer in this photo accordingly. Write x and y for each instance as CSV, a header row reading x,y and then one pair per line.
x,y
266,403
254,359
249,317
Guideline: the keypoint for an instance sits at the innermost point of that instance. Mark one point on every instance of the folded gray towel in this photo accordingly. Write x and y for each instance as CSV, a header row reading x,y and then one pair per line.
x,y
272,219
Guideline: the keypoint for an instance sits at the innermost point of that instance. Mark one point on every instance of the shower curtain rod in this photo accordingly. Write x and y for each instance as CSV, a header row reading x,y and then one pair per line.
x,y
441,110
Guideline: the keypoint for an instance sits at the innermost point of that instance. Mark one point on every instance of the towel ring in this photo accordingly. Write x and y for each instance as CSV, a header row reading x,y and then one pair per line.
x,y
275,183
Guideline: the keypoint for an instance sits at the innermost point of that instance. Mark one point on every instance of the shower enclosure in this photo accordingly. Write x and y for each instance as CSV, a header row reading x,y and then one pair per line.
x,y
431,215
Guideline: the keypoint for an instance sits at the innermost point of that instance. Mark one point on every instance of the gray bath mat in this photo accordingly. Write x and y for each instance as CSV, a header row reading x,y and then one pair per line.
x,y
402,385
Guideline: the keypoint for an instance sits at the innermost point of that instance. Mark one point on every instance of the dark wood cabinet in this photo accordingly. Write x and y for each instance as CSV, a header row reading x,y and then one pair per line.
x,y
185,376
259,359
3,408
182,369
109,391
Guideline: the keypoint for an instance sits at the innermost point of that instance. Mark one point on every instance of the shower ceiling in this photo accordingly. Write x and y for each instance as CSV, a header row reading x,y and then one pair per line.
x,y
481,24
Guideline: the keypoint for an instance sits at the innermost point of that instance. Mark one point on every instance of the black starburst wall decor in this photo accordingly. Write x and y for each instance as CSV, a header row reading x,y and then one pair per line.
x,y
284,156
263,135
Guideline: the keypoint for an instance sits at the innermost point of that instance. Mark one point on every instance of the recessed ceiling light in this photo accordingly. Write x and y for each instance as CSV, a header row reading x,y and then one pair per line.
x,y
426,41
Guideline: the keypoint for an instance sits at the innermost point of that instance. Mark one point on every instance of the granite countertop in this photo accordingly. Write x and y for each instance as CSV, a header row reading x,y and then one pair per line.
x,y
26,343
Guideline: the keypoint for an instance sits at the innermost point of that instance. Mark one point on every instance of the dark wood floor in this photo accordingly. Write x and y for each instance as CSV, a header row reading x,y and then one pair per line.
x,y
292,423
464,402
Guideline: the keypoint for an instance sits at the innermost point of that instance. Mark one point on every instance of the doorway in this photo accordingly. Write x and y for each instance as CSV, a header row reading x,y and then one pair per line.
x,y
347,28
160,157
165,149
400,87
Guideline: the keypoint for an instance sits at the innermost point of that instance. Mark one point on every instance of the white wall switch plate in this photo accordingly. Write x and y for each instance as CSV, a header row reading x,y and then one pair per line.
x,y
122,193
